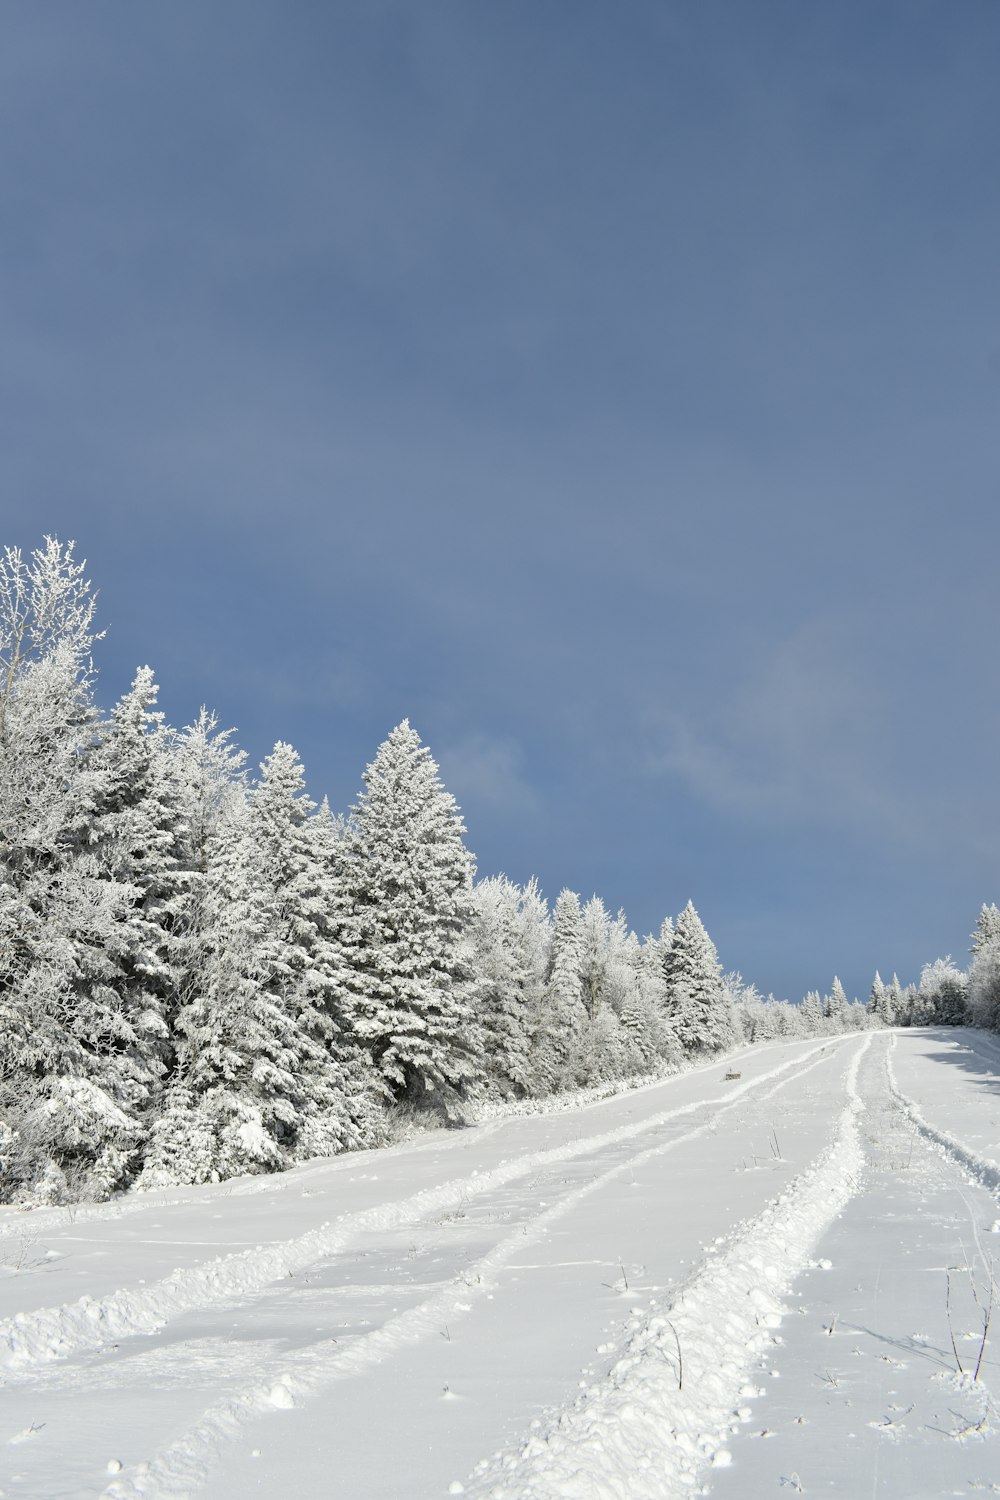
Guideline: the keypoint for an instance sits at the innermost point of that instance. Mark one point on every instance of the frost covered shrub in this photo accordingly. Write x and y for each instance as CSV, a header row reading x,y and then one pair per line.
x,y
69,1144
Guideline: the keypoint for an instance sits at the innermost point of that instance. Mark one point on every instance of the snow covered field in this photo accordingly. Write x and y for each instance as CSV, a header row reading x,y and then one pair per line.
x,y
738,1287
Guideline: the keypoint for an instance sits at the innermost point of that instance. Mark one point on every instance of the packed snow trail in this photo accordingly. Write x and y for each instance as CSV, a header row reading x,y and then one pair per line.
x,y
193,1361
56,1331
666,1408
502,1319
307,1371
871,1390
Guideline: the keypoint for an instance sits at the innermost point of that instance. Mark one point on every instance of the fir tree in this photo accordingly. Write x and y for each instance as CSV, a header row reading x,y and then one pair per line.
x,y
812,1013
633,986
135,827
943,990
987,929
561,1017
836,1007
880,1002
984,973
62,1021
694,986
409,880
236,1088
307,969
502,984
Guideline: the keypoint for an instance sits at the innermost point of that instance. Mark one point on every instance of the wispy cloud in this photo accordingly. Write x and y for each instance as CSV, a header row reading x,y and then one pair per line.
x,y
486,769
805,734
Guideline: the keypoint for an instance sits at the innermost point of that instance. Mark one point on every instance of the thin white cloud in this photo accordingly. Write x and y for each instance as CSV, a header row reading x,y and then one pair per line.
x,y
482,768
805,734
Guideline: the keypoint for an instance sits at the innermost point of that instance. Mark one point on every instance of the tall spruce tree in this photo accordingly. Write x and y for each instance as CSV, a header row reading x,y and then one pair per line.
x,y
562,1013
235,1103
694,986
307,971
409,882
502,984
879,1002
134,822
836,1007
984,973
63,1026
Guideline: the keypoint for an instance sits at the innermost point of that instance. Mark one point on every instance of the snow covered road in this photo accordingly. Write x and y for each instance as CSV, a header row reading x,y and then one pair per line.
x,y
573,1304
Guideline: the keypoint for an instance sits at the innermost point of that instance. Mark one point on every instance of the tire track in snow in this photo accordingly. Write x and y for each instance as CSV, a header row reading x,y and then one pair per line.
x,y
665,1410
979,1167
186,1463
19,1219
31,1338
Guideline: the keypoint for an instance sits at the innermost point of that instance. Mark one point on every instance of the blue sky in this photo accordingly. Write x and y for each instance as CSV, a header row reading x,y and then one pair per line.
x,y
612,390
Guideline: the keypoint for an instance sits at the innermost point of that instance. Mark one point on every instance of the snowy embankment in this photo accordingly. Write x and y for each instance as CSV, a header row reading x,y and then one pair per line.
x,y
667,1407
91,1323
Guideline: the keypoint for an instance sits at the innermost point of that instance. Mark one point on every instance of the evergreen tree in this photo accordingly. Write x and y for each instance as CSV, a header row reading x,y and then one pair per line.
x,y
881,1010
209,771
62,1022
562,1014
633,990
943,991
836,1007
694,986
135,827
987,929
812,1013
337,1090
409,879
984,973
235,1103
502,984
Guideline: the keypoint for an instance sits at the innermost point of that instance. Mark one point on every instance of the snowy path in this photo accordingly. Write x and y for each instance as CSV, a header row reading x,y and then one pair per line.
x,y
381,1325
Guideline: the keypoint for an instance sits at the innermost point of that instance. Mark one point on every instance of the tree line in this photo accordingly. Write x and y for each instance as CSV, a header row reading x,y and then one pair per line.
x,y
204,974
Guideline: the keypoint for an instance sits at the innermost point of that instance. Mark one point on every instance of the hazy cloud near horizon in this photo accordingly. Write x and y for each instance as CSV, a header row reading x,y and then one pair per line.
x,y
612,392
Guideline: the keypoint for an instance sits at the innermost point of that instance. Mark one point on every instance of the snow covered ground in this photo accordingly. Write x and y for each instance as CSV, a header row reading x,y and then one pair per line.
x,y
737,1287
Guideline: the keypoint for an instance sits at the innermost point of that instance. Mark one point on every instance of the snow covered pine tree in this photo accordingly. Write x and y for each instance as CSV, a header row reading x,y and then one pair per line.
x,y
409,909
697,999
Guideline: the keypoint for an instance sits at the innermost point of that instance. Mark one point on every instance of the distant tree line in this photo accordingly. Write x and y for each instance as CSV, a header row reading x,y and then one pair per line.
x,y
204,974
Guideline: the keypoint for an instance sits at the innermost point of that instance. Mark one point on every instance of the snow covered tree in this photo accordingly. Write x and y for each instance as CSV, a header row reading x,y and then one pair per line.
x,y
634,989
812,1013
561,1018
235,1102
694,987
595,938
503,982
339,1089
133,821
987,930
943,991
837,1007
984,974
600,1052
62,1022
881,1010
409,881
209,770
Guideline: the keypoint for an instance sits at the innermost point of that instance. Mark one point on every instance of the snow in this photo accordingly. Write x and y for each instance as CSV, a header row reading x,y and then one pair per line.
x,y
703,1286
